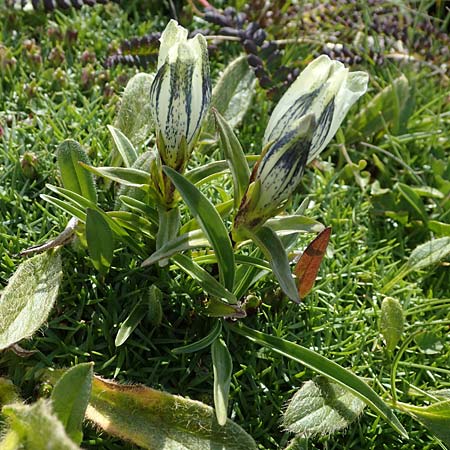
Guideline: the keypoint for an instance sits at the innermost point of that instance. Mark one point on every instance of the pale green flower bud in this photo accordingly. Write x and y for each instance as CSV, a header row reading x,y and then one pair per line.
x,y
180,93
300,127
325,88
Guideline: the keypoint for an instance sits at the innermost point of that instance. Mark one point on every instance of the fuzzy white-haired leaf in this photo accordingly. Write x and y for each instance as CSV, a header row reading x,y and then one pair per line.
x,y
29,297
321,407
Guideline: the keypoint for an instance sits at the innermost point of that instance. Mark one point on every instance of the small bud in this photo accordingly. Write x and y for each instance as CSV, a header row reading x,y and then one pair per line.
x,y
28,163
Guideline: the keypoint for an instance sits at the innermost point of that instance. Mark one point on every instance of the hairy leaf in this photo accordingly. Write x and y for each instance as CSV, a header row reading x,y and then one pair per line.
x,y
321,407
160,421
29,297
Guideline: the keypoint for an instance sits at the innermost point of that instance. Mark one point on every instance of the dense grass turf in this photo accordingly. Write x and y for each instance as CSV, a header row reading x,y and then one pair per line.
x,y
51,89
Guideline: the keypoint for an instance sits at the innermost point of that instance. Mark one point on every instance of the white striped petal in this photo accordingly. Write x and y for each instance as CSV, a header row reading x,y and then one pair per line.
x,y
354,86
326,89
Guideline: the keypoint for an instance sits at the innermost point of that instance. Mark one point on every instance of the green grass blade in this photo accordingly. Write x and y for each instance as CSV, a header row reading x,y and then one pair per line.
x,y
210,222
325,367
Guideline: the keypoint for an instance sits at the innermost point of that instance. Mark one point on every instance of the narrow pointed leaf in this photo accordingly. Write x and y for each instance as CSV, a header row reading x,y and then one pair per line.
x,y
70,398
197,175
235,157
273,249
187,241
160,421
206,281
124,146
202,343
210,222
100,240
308,265
29,297
123,175
320,408
66,207
74,177
131,322
326,367
223,369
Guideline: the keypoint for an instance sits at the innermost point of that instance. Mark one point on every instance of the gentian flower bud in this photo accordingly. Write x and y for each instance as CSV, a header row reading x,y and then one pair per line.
x,y
300,127
180,94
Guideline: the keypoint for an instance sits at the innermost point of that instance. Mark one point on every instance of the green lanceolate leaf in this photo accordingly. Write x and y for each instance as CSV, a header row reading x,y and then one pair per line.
x,y
143,163
233,93
320,408
197,175
273,249
123,175
202,343
187,241
29,297
235,157
70,398
210,222
324,367
124,146
100,240
204,279
74,177
392,322
134,118
34,427
223,369
435,417
160,421
131,322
